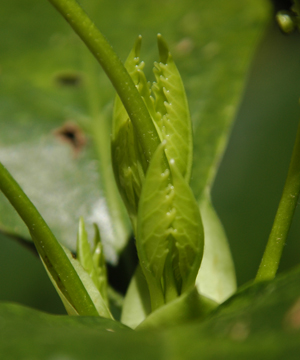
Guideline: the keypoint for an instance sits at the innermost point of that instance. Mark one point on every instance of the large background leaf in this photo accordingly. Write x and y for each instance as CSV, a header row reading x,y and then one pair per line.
x,y
261,322
212,44
251,177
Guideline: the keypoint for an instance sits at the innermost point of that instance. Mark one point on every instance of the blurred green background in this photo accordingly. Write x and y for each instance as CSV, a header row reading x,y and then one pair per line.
x,y
248,185
251,176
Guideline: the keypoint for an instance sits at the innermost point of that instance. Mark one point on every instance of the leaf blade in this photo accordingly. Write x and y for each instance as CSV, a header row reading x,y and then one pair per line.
x,y
171,103
169,243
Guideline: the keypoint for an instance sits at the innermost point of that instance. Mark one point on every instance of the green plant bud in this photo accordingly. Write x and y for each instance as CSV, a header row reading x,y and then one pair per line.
x,y
92,260
286,21
167,104
172,111
170,237
129,161
100,265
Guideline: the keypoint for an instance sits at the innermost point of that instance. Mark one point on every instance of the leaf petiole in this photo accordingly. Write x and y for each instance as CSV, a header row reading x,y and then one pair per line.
x,y
51,252
115,71
283,219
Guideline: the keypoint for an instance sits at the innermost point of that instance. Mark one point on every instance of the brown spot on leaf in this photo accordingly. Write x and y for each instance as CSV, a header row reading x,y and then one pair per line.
x,y
73,135
291,320
68,78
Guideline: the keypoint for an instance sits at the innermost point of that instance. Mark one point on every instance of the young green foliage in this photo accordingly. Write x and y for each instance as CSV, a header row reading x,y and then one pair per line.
x,y
78,292
100,265
172,115
161,206
92,260
170,237
84,255
129,162
94,294
167,104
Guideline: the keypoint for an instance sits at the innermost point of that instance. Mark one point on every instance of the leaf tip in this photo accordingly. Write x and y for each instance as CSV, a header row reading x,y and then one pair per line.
x,y
137,46
162,49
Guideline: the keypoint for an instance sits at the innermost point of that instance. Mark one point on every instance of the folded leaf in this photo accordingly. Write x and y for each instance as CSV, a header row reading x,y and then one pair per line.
x,y
84,255
92,261
100,265
172,109
86,280
170,235
170,115
128,160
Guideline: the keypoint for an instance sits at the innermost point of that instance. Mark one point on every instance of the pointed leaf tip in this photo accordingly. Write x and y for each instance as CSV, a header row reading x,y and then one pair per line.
x,y
162,49
137,46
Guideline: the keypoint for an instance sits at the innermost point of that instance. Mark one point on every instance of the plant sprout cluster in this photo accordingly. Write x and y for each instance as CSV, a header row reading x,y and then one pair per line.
x,y
152,152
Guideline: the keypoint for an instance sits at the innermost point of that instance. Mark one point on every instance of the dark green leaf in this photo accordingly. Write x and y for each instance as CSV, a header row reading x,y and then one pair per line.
x,y
261,322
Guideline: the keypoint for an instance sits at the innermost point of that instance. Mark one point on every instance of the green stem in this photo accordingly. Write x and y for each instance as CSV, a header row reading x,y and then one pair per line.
x,y
283,219
100,133
47,245
115,70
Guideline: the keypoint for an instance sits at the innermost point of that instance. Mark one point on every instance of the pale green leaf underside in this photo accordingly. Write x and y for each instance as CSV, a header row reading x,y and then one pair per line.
x,y
137,304
186,308
216,278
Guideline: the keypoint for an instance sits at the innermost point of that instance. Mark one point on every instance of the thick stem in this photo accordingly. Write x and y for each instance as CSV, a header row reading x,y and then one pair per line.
x,y
49,248
115,70
283,219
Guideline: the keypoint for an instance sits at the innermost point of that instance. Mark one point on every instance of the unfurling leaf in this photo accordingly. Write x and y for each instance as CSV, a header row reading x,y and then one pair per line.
x,y
100,265
92,261
170,236
172,111
128,160
84,255
87,282
167,105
